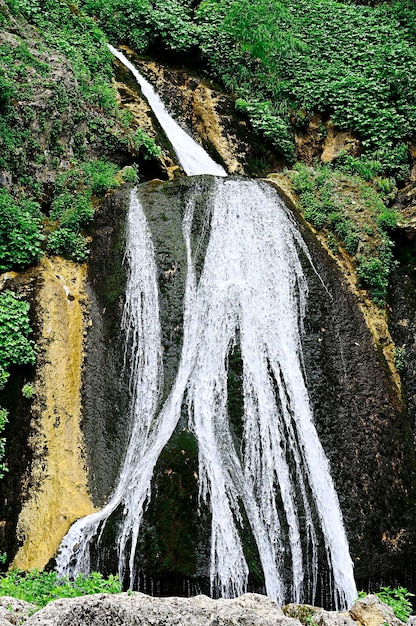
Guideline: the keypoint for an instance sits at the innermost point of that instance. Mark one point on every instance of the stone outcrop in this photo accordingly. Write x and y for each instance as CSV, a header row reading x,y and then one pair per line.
x,y
14,611
137,609
370,611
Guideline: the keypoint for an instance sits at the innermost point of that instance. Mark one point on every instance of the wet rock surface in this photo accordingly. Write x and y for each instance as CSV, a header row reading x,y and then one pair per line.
x,y
364,427
104,395
362,423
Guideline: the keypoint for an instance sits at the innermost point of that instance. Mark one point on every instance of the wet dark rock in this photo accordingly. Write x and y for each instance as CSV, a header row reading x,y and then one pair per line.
x,y
363,425
104,397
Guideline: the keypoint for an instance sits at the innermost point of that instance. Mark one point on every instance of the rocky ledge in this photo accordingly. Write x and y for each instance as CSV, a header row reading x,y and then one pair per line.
x,y
137,609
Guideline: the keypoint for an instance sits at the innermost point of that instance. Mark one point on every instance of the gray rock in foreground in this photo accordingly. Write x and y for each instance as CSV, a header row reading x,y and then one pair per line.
x,y
14,611
137,609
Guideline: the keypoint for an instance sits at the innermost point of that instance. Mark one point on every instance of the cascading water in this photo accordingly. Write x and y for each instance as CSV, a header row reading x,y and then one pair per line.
x,y
191,155
251,292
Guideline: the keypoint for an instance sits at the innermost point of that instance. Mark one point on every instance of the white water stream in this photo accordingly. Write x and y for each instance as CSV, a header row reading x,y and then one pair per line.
x,y
191,155
252,291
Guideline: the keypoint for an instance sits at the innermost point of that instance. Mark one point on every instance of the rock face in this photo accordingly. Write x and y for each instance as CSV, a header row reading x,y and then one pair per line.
x,y
46,487
358,414
140,610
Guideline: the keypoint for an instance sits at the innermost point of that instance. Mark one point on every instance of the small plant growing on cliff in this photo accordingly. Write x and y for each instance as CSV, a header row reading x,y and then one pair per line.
x,y
145,145
129,174
28,391
20,236
400,358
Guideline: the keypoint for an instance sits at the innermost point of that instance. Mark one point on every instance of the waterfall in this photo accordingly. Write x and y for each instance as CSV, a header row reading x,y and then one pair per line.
x,y
191,155
252,292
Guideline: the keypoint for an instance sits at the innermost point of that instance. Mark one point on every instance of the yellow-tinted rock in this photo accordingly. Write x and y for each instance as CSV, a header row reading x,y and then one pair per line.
x,y
57,492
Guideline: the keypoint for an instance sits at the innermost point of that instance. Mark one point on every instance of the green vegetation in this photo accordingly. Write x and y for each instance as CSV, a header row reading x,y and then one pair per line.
x,y
72,208
400,358
15,347
287,60
397,599
355,64
20,232
28,391
147,26
39,588
58,116
354,216
3,422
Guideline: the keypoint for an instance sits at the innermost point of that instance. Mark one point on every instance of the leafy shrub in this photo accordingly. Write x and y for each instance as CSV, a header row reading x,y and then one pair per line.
x,y
66,242
20,236
367,168
270,125
388,219
373,275
28,391
397,599
129,174
146,25
42,587
15,347
99,176
72,211
352,211
72,208
145,145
